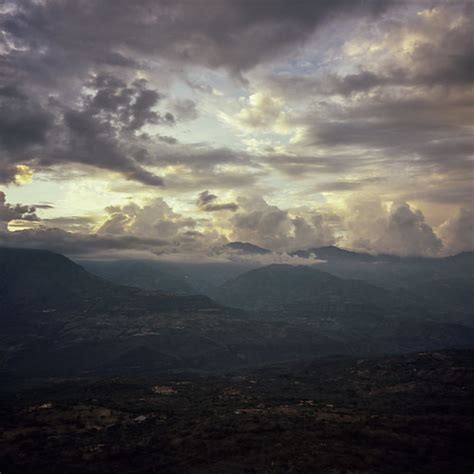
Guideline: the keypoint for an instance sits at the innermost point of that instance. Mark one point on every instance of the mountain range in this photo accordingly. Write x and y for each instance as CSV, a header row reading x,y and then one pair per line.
x,y
57,318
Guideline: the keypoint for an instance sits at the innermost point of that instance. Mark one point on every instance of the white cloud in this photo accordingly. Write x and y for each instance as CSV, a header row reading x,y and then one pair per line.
x,y
457,232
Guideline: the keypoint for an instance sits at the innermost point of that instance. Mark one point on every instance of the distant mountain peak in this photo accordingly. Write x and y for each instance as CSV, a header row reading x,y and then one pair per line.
x,y
331,252
246,247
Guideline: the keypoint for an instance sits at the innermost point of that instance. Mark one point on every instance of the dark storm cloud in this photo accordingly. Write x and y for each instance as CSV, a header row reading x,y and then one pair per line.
x,y
199,86
92,142
348,185
302,87
235,34
425,130
74,243
167,139
207,202
457,190
23,122
205,198
53,47
185,109
128,106
24,127
196,179
302,164
114,58
101,132
10,212
199,157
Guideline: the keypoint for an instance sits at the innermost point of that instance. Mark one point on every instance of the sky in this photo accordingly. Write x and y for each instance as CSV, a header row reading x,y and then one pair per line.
x,y
161,128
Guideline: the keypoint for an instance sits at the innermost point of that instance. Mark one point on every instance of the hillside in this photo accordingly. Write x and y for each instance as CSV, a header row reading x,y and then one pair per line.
x,y
58,319
71,322
278,285
141,274
410,414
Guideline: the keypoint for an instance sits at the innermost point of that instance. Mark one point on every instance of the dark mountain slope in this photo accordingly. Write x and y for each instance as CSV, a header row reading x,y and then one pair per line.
x,y
39,276
443,285
248,248
389,270
43,280
332,253
57,319
274,286
141,274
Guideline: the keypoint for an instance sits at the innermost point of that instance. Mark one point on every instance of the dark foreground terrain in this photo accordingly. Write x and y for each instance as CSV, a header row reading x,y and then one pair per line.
x,y
396,414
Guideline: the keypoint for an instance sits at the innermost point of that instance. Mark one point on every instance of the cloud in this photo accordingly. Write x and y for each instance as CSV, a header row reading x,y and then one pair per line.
x,y
184,109
280,258
152,229
338,99
397,97
155,228
24,127
233,34
276,229
10,212
347,185
207,202
84,224
128,107
457,232
155,219
414,47
407,55
101,132
407,233
263,111
75,243
400,231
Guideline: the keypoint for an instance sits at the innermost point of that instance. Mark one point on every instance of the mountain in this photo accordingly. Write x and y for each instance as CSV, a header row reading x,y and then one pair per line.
x,y
42,280
390,270
141,274
279,285
39,277
445,284
332,254
57,319
178,277
362,316
248,248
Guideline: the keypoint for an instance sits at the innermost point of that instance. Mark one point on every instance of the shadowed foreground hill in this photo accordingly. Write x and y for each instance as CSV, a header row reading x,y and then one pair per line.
x,y
399,414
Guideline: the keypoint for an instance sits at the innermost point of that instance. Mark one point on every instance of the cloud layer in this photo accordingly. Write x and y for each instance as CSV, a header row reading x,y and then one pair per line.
x,y
156,229
151,128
